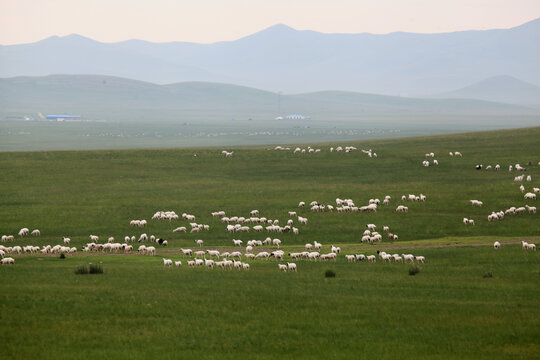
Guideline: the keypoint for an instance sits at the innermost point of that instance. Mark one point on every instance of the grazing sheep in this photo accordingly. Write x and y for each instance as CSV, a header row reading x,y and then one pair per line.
x,y
199,262
530,196
371,258
7,261
408,257
317,245
36,232
531,209
199,242
66,240
167,262
350,258
282,267
209,263
262,254
237,242
214,253
476,203
291,266
301,204
336,249
402,208
276,242
420,259
497,245
187,252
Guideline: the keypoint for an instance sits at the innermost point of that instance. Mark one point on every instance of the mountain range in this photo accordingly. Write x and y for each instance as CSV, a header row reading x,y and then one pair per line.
x,y
282,59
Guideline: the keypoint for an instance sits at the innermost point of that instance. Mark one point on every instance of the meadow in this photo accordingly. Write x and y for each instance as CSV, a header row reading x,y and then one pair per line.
x,y
468,302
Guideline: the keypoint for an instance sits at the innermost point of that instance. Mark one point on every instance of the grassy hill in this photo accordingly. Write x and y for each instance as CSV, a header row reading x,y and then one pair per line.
x,y
453,307
506,89
119,99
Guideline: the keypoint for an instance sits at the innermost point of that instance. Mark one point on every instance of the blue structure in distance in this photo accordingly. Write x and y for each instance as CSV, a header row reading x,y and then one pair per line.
x,y
63,116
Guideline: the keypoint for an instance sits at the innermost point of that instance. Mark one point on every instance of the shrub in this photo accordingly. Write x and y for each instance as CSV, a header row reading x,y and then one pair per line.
x,y
413,270
330,273
95,269
488,275
81,270
62,256
91,269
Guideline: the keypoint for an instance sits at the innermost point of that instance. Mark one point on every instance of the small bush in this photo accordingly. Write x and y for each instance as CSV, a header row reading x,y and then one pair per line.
x,y
92,269
62,256
330,274
413,270
488,275
95,269
81,270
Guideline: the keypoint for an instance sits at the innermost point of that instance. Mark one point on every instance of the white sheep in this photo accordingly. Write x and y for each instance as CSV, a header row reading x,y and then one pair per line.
x,y
531,209
408,257
420,259
530,196
237,242
151,251
214,253
262,254
66,240
291,266
350,258
7,261
276,242
497,245
199,242
282,267
209,263
167,262
36,232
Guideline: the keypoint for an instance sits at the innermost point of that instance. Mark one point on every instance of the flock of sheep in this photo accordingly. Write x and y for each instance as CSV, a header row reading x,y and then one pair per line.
x,y
256,223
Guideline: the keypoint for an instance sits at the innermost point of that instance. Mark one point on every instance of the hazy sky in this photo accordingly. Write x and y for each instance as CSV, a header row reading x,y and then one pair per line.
x,y
205,21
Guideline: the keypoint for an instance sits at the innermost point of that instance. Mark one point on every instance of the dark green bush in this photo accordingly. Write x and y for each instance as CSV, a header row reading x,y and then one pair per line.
x,y
91,269
330,273
413,270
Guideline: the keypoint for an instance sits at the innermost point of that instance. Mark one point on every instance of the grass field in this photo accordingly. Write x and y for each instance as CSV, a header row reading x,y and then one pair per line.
x,y
139,309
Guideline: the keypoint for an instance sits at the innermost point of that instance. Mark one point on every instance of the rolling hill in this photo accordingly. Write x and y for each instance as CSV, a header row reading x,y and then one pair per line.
x,y
106,97
505,89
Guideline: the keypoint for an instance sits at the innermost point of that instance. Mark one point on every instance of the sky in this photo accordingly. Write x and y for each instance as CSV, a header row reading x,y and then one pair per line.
x,y
207,21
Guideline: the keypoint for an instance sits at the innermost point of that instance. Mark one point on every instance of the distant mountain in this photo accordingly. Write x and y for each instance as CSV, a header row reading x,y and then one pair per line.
x,y
505,89
284,59
120,99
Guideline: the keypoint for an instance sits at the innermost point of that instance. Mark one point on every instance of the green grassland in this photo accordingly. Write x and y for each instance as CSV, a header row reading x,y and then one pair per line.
x,y
139,309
